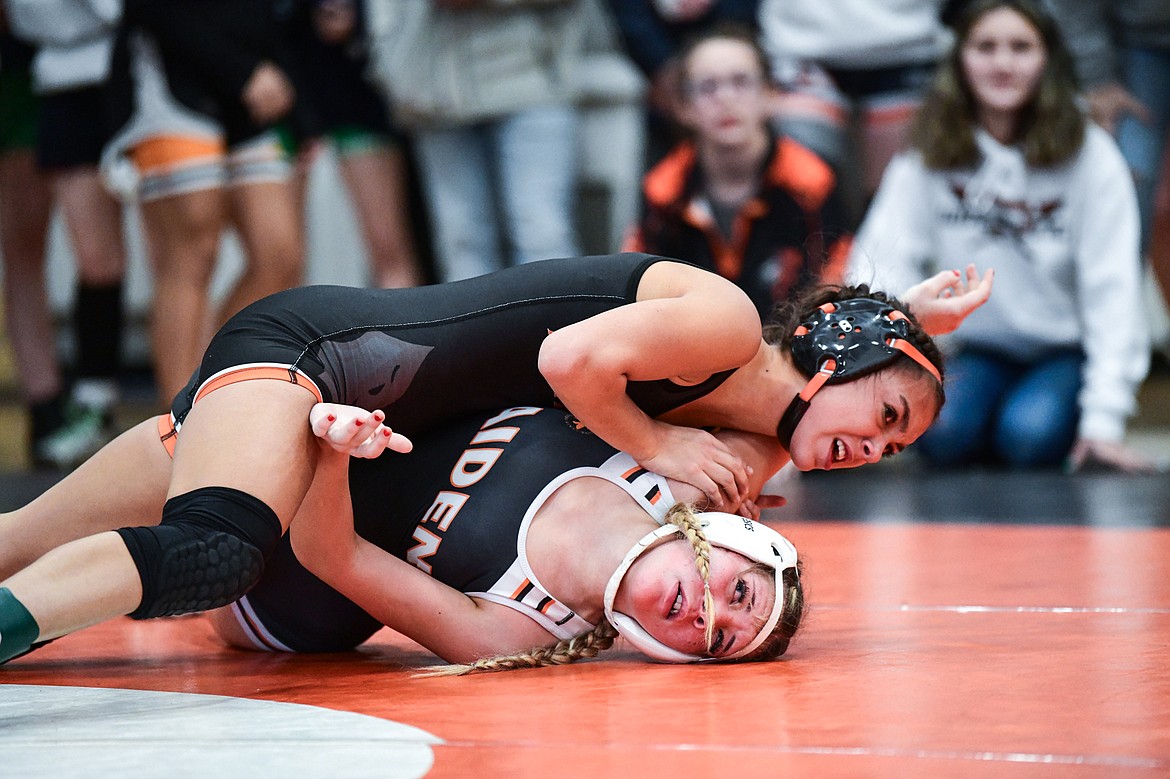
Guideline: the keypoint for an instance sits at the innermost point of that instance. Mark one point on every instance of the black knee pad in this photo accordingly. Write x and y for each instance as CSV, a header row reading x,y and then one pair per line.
x,y
208,551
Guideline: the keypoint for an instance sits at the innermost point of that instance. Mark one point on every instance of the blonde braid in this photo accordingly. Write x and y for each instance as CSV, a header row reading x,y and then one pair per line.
x,y
683,517
566,651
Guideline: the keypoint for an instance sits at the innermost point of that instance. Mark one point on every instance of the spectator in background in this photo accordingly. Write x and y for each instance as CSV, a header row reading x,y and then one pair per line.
x,y
759,210
25,206
851,75
331,45
1159,248
1122,53
654,32
200,87
73,39
1007,173
486,90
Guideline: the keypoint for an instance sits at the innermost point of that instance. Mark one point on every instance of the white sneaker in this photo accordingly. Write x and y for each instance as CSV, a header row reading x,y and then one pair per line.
x,y
86,430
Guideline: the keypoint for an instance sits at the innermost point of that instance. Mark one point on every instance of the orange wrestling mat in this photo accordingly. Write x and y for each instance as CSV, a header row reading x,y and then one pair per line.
x,y
928,651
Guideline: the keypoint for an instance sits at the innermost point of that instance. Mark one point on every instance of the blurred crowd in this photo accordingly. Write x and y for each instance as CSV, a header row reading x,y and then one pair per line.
x,y
780,143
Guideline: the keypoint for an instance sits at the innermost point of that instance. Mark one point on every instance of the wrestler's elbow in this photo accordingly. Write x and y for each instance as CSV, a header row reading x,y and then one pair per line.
x,y
563,361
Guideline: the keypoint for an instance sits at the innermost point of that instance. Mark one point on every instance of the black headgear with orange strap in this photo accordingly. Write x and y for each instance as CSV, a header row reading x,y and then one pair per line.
x,y
843,341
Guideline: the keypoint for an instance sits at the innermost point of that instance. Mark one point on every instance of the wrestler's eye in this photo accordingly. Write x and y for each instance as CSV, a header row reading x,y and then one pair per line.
x,y
890,415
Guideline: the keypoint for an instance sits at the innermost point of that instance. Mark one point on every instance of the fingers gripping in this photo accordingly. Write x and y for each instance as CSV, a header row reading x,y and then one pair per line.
x,y
701,460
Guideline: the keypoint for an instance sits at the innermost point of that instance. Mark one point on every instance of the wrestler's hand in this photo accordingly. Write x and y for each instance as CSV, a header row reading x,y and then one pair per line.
x,y
942,302
752,509
355,431
703,461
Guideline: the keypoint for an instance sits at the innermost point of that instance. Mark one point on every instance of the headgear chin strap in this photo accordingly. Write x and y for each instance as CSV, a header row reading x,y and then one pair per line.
x,y
843,341
754,540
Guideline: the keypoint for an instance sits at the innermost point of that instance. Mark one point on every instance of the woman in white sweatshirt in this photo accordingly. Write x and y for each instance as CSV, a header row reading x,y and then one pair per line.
x,y
1006,172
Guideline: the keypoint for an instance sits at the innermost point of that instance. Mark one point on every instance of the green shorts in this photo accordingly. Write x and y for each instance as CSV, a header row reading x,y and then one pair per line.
x,y
347,140
18,111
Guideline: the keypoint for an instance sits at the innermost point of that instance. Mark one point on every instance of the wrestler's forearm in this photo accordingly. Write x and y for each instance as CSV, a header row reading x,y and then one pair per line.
x,y
322,532
606,410
763,454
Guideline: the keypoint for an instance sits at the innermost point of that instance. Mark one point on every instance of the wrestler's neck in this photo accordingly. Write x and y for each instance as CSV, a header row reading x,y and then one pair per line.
x,y
752,399
579,537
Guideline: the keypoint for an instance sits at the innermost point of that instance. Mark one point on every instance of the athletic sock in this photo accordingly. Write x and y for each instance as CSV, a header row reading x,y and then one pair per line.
x,y
97,327
18,629
46,416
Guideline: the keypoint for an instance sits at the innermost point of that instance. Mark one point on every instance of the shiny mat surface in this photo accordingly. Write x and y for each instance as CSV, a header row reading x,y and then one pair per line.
x,y
930,650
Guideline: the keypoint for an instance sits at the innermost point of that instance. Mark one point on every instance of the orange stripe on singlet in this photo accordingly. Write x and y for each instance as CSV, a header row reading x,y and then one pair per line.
x,y
167,434
523,585
166,430
250,372
169,151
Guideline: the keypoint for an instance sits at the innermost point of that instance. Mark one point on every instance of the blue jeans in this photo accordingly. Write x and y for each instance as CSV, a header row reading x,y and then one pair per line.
x,y
521,168
1006,413
1146,74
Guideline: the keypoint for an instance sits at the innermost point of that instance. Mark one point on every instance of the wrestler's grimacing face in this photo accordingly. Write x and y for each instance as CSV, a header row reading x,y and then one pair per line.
x,y
663,591
861,421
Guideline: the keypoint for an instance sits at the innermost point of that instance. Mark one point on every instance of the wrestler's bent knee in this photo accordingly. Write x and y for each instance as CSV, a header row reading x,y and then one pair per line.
x,y
208,551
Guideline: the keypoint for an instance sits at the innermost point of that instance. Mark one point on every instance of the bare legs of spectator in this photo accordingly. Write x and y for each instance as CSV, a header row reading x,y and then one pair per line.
x,y
267,221
377,181
183,232
376,178
25,206
94,220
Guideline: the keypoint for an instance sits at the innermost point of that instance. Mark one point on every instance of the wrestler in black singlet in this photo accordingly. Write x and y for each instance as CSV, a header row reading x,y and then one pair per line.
x,y
427,354
394,498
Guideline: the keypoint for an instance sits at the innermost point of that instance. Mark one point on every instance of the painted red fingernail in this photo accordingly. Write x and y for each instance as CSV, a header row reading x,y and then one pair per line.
x,y
358,423
331,418
386,433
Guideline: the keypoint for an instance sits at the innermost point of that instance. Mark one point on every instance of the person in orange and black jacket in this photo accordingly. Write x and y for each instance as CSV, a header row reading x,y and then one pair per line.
x,y
760,210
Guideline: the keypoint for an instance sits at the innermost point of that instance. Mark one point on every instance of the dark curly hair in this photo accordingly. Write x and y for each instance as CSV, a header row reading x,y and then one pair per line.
x,y
784,318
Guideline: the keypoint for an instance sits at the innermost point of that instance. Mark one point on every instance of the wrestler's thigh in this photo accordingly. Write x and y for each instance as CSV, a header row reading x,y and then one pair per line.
x,y
125,483
227,627
252,436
